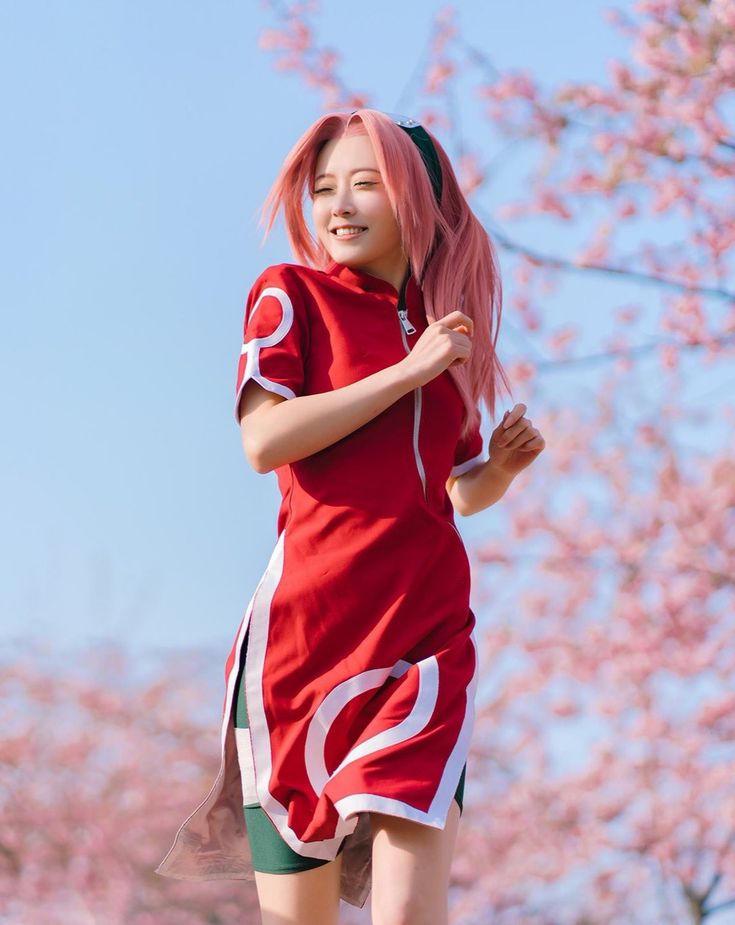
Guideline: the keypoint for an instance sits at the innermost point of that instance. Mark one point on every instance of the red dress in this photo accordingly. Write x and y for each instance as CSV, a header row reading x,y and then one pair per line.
x,y
360,654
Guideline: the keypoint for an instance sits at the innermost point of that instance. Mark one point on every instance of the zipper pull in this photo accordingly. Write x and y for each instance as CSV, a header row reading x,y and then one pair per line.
x,y
407,326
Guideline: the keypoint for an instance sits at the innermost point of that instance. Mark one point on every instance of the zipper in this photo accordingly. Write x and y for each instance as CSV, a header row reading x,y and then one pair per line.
x,y
408,328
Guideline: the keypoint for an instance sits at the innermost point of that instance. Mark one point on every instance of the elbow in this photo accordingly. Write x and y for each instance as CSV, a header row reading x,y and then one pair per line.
x,y
260,467
459,508
255,453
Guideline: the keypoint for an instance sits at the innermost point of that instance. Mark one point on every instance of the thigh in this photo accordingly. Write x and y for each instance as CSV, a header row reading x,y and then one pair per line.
x,y
309,897
411,869
291,887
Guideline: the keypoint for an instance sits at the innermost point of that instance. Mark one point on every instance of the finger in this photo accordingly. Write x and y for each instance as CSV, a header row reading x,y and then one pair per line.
x,y
510,436
452,319
462,329
528,440
519,440
514,415
464,321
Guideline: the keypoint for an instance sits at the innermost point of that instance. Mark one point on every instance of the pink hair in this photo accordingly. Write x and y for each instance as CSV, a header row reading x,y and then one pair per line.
x,y
449,251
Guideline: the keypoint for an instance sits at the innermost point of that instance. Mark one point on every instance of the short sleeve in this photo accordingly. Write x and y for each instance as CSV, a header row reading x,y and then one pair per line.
x,y
470,450
275,337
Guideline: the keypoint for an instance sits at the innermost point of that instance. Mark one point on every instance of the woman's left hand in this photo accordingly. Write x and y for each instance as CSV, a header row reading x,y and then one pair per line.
x,y
514,444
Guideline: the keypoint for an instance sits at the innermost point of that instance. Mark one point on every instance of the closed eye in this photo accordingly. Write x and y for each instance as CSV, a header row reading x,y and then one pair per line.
x,y
325,189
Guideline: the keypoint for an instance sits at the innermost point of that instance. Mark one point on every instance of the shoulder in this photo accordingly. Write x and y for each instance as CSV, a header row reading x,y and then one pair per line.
x,y
278,284
302,286
285,293
294,275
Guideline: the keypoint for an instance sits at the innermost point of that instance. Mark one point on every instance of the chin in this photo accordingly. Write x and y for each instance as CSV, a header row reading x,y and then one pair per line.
x,y
352,254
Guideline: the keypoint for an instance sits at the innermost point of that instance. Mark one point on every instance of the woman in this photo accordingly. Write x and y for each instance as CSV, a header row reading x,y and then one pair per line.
x,y
350,687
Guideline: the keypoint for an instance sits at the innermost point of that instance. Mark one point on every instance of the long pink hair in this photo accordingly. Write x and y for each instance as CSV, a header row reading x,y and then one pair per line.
x,y
451,255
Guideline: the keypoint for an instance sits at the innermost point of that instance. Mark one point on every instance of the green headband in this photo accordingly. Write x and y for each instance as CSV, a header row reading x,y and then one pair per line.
x,y
420,137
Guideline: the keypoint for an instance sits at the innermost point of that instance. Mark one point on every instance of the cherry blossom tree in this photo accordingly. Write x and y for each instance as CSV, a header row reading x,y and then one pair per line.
x,y
601,786
98,762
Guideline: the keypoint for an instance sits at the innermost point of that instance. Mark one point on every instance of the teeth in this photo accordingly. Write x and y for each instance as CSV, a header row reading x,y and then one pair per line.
x,y
343,231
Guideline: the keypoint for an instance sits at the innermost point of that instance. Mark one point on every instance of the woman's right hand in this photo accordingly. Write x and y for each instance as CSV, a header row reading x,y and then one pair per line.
x,y
446,342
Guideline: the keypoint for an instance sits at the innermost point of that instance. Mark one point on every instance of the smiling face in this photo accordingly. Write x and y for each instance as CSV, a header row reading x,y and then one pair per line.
x,y
349,191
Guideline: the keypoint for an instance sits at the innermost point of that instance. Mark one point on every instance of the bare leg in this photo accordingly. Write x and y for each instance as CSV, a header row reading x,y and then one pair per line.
x,y
411,867
309,897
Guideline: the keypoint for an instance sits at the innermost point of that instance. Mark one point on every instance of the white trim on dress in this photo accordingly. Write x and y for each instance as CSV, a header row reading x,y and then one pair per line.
x,y
468,464
253,347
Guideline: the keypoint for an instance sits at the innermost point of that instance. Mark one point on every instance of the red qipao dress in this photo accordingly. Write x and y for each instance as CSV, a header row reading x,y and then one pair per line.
x,y
360,657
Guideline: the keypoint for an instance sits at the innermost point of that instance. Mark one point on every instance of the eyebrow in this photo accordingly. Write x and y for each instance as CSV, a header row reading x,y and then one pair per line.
x,y
356,170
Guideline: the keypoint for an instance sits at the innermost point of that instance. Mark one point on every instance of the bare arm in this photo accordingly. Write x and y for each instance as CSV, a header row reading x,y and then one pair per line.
x,y
277,431
477,489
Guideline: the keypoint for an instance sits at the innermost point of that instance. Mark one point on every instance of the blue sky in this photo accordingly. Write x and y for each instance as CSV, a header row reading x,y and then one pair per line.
x,y
143,139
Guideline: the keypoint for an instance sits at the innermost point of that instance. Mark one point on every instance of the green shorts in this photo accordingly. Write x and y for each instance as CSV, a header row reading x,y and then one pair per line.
x,y
270,853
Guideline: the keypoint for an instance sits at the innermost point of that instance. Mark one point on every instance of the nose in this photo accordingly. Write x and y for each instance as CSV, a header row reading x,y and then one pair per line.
x,y
342,203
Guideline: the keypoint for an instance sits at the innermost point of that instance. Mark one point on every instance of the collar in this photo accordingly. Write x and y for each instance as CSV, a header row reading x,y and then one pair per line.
x,y
361,279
